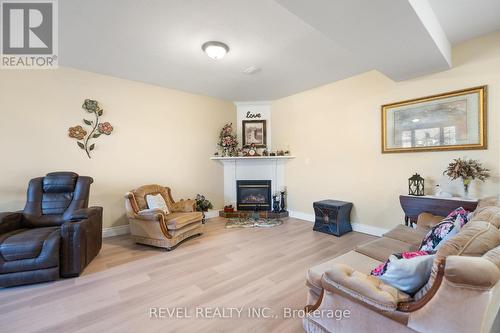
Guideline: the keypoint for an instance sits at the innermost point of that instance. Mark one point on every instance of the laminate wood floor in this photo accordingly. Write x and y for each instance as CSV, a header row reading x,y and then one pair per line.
x,y
261,269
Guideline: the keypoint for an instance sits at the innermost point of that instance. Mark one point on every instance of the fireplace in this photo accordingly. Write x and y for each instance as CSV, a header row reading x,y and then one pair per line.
x,y
253,195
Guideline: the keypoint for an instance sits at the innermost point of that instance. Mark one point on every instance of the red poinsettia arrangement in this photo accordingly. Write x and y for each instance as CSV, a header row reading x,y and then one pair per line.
x,y
97,128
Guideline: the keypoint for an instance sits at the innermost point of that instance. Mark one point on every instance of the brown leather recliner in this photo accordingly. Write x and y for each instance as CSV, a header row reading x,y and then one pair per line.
x,y
55,235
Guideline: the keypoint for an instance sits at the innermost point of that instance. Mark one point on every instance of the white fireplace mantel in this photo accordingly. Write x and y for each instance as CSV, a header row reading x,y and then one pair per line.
x,y
252,168
239,158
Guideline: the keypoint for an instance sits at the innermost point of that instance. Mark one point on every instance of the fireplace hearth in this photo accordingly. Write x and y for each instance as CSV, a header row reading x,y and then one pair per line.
x,y
253,195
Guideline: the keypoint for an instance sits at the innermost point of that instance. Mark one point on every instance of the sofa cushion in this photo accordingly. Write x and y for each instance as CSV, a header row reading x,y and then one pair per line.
x,y
471,271
380,249
178,220
493,255
426,221
485,203
141,192
358,261
55,203
59,182
40,253
406,234
475,239
489,214
24,243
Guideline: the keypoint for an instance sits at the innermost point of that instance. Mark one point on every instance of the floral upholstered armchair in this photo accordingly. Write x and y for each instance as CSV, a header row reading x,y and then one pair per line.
x,y
164,228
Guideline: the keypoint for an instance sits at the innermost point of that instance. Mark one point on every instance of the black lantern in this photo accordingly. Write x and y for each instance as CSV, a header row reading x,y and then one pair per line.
x,y
416,185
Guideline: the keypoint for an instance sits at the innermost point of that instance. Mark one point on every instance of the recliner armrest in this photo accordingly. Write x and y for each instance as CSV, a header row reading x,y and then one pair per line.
x,y
10,221
364,288
85,213
81,240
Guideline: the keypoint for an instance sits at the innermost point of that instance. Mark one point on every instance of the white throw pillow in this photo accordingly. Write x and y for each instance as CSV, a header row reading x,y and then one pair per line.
x,y
157,201
408,275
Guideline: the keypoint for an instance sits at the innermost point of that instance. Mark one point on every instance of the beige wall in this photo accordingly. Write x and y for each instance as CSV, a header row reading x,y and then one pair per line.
x,y
166,136
334,131
161,136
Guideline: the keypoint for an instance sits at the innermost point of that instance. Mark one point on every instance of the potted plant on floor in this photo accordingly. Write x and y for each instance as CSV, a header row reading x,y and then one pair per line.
x,y
202,204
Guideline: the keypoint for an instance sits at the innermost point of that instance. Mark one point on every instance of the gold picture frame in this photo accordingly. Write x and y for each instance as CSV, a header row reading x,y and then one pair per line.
x,y
454,120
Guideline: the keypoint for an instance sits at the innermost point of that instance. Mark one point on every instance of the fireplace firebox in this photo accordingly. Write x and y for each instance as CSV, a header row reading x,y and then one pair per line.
x,y
253,195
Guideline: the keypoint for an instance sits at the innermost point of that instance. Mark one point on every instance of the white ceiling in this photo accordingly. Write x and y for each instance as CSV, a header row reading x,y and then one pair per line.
x,y
298,44
465,19
387,35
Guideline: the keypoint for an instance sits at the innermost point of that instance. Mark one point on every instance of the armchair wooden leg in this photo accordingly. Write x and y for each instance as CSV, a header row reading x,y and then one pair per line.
x,y
310,308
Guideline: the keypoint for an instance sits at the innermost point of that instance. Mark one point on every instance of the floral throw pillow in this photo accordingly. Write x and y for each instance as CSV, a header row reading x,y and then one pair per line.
x,y
459,215
456,219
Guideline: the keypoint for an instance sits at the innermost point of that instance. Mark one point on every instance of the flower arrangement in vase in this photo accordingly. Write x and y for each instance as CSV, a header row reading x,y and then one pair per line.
x,y
467,170
227,140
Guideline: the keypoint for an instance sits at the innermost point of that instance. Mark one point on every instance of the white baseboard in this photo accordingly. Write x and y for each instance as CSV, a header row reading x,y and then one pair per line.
x,y
212,213
358,227
115,231
368,229
301,216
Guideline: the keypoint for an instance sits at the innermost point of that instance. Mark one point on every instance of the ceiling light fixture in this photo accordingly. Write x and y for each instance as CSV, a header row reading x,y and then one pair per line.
x,y
215,50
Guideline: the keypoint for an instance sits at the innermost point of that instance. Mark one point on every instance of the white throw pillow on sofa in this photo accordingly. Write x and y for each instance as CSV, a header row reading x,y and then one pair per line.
x,y
157,201
408,275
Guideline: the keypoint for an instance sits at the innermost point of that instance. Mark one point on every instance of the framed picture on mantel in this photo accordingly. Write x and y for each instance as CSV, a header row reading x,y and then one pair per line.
x,y
451,121
254,132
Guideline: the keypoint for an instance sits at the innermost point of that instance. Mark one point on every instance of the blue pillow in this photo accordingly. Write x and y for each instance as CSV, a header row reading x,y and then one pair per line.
x,y
408,275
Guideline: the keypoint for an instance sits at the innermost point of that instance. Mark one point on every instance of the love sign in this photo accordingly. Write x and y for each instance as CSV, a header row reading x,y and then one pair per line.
x,y
251,115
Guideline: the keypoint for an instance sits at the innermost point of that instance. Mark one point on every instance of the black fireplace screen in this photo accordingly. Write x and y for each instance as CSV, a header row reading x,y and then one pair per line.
x,y
253,194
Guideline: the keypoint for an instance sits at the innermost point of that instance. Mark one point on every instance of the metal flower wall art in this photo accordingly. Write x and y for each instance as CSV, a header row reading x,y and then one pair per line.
x,y
96,128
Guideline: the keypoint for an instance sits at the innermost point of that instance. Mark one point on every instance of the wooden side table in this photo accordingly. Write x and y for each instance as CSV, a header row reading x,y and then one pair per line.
x,y
332,217
413,206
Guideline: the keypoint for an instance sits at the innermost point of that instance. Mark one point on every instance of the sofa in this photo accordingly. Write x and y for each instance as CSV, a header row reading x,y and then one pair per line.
x,y
461,295
157,228
56,235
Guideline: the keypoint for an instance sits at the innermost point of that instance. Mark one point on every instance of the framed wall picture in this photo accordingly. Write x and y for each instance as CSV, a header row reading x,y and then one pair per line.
x,y
451,121
254,132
